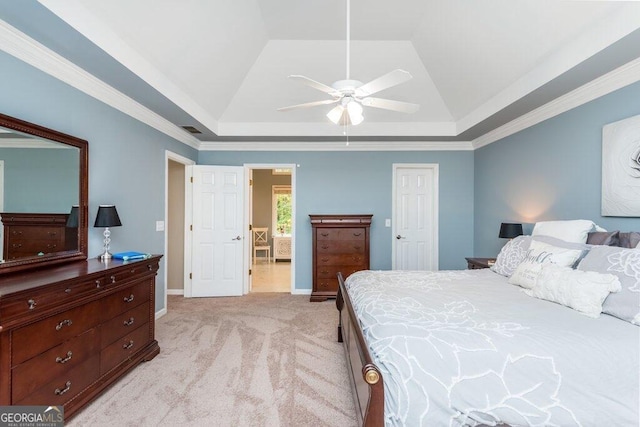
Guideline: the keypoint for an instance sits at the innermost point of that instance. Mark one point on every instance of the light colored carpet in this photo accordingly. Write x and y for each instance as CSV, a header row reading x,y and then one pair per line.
x,y
260,360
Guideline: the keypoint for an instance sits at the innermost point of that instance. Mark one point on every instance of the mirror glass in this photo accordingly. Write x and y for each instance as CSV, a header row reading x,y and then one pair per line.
x,y
41,181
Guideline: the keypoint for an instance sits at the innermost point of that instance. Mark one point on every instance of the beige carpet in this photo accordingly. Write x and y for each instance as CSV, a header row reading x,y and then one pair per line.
x,y
259,360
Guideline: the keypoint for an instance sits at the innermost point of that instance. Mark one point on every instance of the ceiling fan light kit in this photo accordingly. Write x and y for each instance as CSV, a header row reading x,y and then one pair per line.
x,y
351,95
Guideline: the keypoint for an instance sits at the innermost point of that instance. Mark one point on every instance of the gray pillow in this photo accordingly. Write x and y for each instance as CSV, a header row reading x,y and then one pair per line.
x,y
511,255
606,238
629,240
625,264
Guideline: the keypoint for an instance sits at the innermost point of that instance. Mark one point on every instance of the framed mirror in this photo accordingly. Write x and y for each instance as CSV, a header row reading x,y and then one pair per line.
x,y
43,196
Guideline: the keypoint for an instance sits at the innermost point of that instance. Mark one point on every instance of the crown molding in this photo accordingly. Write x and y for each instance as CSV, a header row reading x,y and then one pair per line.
x,y
23,47
338,146
610,82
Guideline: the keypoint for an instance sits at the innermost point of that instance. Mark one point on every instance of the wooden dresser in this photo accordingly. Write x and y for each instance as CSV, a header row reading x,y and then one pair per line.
x,y
340,244
68,332
34,234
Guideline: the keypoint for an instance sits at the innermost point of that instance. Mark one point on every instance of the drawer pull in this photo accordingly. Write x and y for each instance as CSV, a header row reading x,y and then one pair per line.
x,y
357,248
60,392
150,267
325,246
128,322
324,272
128,299
357,234
65,359
113,279
65,322
127,346
324,234
325,259
32,304
98,284
67,291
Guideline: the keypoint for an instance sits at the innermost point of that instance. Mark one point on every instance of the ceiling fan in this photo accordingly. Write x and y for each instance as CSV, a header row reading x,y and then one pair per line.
x,y
351,95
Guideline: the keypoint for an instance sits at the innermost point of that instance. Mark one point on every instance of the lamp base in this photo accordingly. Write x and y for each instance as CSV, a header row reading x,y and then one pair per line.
x,y
106,256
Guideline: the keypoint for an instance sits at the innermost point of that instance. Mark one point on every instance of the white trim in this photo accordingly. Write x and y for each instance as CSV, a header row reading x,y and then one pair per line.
x,y
161,313
169,155
337,146
435,225
18,44
616,79
301,292
293,167
175,291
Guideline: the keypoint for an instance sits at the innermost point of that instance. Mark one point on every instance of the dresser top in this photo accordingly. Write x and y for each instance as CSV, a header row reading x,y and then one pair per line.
x,y
341,219
23,280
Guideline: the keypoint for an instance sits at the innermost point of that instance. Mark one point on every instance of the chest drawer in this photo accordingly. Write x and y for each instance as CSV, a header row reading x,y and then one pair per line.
x,y
66,386
121,349
332,271
32,340
123,323
341,259
134,271
125,299
340,247
40,370
51,297
340,234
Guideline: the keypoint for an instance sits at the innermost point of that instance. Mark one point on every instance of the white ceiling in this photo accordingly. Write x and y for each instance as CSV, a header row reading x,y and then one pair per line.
x,y
225,62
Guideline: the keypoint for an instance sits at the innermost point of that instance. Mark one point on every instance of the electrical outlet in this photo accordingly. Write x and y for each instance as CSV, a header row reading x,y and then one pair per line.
x,y
159,225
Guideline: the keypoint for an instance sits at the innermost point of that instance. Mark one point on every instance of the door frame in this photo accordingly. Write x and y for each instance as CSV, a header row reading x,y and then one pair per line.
x,y
247,204
170,155
436,209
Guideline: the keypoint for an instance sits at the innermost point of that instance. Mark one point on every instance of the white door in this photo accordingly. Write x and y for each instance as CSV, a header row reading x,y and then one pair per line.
x,y
217,237
415,217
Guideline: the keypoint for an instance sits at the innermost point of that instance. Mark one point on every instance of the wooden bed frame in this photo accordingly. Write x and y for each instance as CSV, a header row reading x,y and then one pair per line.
x,y
364,375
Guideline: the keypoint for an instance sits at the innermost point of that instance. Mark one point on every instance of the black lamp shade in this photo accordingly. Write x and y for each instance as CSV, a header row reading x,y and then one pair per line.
x,y
510,230
107,217
72,219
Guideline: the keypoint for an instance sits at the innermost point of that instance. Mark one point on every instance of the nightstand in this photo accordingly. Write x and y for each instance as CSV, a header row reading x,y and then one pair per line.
x,y
476,263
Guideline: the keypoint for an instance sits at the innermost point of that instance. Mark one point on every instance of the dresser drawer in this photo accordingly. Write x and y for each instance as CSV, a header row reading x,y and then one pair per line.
x,y
120,350
341,234
123,323
342,259
54,363
51,297
326,285
134,271
340,247
125,300
331,272
32,340
66,386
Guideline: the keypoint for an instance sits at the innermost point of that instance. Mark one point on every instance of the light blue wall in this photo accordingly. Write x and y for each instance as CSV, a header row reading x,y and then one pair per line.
x,y
126,157
361,183
549,171
40,180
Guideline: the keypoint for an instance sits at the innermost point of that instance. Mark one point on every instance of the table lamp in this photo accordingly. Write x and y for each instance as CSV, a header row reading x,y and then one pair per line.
x,y
107,217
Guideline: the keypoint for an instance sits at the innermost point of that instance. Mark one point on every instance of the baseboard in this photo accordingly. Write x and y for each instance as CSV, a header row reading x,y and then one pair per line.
x,y
175,291
161,313
301,292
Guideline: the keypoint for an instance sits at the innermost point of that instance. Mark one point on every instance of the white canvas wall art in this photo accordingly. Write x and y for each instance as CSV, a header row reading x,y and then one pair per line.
x,y
621,168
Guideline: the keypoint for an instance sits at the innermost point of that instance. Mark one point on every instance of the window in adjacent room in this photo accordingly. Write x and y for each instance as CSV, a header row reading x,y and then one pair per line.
x,y
281,206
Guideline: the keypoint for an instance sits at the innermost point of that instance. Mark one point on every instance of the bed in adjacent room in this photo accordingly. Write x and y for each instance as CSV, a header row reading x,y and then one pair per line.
x,y
523,343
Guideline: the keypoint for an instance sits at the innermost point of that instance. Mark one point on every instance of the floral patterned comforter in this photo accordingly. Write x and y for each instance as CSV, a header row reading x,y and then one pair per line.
x,y
467,348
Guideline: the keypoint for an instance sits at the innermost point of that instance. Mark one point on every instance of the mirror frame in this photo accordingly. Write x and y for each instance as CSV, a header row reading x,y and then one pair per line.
x,y
83,198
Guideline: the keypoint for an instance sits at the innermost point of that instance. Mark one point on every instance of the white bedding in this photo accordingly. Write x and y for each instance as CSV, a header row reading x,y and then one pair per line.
x,y
468,348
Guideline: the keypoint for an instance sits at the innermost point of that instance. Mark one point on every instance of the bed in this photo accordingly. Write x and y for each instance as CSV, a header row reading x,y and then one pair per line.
x,y
468,347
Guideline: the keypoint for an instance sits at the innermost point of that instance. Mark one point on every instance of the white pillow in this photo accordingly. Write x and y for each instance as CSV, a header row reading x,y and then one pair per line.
x,y
542,253
584,291
576,230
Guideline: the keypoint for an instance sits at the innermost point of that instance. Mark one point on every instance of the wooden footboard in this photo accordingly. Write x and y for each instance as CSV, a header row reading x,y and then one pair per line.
x,y
365,377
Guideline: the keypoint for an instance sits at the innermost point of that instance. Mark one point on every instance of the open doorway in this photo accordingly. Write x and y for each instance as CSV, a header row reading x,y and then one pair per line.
x,y
272,222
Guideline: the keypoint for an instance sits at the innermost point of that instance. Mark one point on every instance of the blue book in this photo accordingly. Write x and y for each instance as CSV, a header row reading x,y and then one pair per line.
x,y
130,255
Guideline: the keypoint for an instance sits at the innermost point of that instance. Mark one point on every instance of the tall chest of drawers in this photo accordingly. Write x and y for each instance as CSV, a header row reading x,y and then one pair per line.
x,y
340,244
68,332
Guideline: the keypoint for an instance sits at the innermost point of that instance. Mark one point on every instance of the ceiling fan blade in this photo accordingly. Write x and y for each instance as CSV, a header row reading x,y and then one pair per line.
x,y
393,78
309,104
314,84
387,104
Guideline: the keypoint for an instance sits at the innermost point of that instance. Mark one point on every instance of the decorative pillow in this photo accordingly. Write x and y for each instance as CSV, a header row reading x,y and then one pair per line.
x,y
542,253
583,291
625,264
511,255
575,230
605,238
629,240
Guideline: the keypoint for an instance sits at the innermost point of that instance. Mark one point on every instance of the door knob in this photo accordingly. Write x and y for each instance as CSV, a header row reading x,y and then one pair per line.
x,y
399,237
237,238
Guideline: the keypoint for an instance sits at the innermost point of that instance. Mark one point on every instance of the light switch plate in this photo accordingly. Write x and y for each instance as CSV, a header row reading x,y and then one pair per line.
x,y
387,222
159,225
